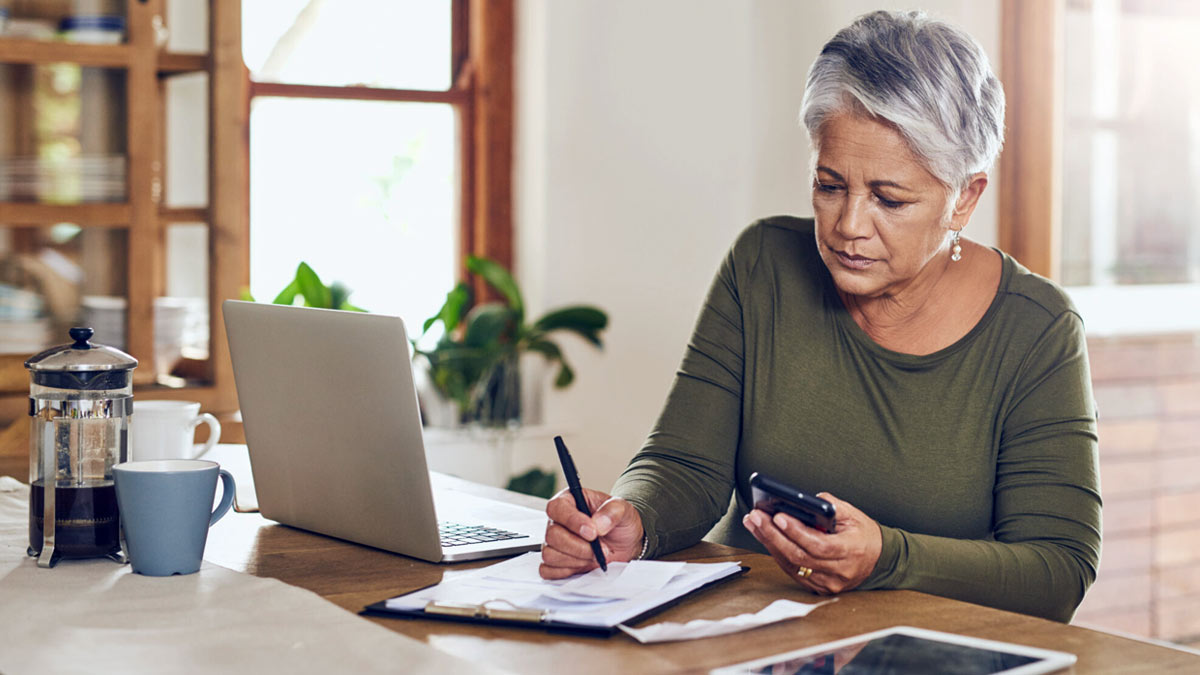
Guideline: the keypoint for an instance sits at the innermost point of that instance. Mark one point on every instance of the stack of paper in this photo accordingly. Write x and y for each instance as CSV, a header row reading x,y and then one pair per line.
x,y
598,598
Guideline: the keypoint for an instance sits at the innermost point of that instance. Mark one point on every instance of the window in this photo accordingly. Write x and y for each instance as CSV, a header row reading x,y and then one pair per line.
x,y
375,128
1131,161
1124,103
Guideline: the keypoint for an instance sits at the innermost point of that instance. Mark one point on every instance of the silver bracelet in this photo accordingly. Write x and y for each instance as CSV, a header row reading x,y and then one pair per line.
x,y
645,547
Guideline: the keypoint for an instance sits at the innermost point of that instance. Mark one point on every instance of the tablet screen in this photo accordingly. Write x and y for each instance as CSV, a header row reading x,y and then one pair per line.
x,y
900,655
906,652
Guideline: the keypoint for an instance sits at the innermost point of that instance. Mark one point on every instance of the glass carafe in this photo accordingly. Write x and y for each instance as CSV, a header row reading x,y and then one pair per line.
x,y
80,402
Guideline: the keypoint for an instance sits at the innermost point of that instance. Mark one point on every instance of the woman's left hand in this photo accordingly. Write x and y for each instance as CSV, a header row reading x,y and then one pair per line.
x,y
839,561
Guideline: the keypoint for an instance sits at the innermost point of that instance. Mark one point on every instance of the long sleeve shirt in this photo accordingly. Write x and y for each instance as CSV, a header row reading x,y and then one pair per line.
x,y
978,461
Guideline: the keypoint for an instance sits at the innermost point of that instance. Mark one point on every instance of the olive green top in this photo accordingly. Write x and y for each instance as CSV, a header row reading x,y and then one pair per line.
x,y
979,461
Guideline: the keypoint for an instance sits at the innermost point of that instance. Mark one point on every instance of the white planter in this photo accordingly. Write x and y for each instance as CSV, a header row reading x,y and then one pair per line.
x,y
440,413
490,456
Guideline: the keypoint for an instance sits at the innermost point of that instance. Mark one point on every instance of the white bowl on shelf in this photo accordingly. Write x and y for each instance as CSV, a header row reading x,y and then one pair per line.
x,y
24,336
105,315
175,321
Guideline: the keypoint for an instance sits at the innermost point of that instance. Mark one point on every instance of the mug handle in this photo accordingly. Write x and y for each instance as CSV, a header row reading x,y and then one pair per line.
x,y
227,491
214,432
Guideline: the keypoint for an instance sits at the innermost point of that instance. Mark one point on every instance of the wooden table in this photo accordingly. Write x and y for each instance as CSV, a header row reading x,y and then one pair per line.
x,y
354,576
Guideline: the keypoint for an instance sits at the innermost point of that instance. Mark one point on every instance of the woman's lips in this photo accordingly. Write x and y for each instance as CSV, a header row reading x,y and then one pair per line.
x,y
854,262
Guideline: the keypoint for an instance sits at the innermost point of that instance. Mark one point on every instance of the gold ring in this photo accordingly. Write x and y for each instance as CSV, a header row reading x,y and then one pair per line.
x,y
804,572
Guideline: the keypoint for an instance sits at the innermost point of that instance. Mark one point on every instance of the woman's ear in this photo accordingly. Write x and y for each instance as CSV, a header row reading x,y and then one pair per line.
x,y
968,199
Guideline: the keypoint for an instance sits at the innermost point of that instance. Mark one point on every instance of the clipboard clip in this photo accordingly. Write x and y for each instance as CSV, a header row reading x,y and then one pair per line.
x,y
484,611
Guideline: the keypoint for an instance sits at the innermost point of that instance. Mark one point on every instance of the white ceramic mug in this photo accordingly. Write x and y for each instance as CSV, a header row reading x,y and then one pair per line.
x,y
165,430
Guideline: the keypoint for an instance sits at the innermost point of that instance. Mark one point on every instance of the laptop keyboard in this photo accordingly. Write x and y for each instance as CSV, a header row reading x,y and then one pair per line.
x,y
456,534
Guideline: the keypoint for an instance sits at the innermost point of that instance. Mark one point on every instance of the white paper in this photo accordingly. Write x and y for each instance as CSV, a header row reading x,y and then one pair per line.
x,y
521,569
780,610
625,580
593,599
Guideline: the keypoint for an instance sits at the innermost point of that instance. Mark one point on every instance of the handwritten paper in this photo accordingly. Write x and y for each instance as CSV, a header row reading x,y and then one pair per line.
x,y
593,599
624,580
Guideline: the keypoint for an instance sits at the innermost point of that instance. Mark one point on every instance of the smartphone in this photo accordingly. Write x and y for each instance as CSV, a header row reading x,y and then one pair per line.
x,y
773,497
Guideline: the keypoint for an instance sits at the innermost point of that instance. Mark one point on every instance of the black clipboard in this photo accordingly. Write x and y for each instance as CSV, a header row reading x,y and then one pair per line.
x,y
517,617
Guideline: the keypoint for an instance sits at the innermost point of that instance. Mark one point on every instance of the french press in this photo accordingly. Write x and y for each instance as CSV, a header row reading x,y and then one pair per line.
x,y
80,402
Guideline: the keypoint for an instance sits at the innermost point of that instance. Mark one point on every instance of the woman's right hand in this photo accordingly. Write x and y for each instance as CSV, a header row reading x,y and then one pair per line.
x,y
568,548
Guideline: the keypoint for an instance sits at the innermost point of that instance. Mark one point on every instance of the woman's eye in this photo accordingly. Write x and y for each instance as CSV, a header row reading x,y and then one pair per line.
x,y
827,188
888,203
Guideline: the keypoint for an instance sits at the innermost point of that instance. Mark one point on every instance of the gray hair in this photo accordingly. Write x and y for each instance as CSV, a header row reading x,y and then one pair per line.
x,y
930,80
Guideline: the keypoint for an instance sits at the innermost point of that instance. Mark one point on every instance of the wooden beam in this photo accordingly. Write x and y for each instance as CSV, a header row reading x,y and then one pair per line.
x,y
229,189
15,50
460,51
466,209
170,63
462,71
83,215
146,246
1030,185
491,46
183,215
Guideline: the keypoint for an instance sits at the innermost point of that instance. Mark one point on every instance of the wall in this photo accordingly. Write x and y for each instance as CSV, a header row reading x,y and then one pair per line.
x,y
649,134
1148,394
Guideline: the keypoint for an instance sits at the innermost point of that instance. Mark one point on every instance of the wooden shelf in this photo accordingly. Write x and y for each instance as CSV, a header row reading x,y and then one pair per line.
x,y
193,214
37,52
170,63
85,215
138,254
14,50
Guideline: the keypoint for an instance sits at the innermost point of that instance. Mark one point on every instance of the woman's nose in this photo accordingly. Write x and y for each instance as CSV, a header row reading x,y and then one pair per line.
x,y
856,218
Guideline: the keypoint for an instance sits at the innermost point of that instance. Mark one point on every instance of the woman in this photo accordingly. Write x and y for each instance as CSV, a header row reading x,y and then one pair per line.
x,y
934,389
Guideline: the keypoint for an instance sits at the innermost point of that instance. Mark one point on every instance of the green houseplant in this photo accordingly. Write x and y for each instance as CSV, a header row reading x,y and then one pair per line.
x,y
475,362
307,286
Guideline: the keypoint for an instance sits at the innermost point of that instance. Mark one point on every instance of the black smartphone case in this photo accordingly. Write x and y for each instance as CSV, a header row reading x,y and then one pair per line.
x,y
774,496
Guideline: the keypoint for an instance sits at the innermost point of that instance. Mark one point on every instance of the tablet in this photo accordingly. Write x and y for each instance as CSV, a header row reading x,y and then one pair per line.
x,y
902,650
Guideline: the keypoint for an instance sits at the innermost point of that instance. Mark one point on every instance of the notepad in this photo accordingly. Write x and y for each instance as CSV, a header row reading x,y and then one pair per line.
x,y
513,592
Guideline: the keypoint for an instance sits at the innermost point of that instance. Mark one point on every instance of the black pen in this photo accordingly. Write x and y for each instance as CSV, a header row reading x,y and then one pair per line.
x,y
568,468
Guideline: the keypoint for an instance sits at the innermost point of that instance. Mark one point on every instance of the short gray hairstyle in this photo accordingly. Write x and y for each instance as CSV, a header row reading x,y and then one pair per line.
x,y
930,80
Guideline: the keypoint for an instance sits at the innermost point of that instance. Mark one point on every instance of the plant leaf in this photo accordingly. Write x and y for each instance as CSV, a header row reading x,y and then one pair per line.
x,y
288,295
489,324
315,293
456,370
553,353
565,375
546,348
498,278
339,295
458,302
584,320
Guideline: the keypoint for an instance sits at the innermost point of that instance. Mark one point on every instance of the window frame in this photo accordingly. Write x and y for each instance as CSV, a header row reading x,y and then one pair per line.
x,y
1030,188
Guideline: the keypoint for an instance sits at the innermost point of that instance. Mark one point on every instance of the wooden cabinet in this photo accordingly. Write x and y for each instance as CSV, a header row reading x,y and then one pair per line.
x,y
121,246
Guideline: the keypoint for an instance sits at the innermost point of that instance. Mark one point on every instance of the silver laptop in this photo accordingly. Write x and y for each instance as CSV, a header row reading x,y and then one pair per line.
x,y
334,433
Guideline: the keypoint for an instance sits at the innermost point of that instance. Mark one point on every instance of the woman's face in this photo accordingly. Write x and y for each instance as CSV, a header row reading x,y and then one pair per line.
x,y
879,211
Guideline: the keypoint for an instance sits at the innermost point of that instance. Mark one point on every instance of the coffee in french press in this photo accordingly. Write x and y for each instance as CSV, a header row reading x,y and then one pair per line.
x,y
80,403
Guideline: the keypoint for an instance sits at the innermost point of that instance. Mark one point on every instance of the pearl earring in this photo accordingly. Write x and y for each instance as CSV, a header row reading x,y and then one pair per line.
x,y
955,247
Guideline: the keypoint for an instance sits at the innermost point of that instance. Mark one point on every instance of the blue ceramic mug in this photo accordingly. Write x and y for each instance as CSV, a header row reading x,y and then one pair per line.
x,y
166,510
